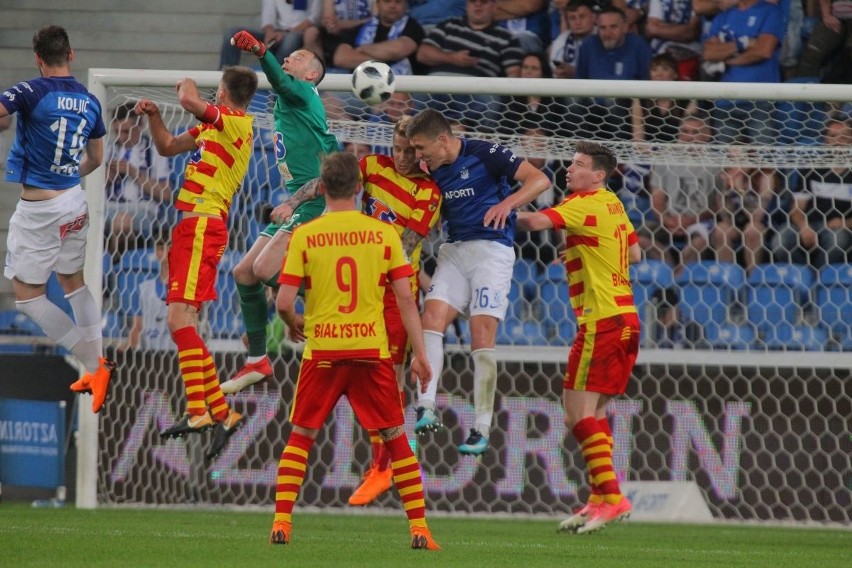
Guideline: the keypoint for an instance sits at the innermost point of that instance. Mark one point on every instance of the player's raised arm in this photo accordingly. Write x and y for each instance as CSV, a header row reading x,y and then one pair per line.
x,y
191,101
167,144
245,41
284,80
533,182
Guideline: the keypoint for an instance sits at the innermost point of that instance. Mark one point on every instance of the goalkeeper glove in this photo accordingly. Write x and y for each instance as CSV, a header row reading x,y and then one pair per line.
x,y
248,42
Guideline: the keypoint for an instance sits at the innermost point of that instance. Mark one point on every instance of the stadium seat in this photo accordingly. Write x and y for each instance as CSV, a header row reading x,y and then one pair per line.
x,y
802,123
138,260
523,292
834,299
556,306
708,289
525,273
553,296
107,264
114,325
554,273
127,284
262,178
647,277
56,294
787,337
13,322
516,301
730,336
460,337
637,204
224,324
17,348
224,313
778,293
178,166
564,334
229,260
262,103
512,331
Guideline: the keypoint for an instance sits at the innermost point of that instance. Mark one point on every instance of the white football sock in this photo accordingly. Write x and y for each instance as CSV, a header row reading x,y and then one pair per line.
x,y
484,388
435,355
88,319
59,327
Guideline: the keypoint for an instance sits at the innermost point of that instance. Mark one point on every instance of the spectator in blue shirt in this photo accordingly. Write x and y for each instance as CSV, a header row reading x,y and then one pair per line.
x,y
431,12
746,38
612,54
527,20
473,46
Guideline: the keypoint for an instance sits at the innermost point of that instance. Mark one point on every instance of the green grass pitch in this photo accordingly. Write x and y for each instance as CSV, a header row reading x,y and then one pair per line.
x,y
127,538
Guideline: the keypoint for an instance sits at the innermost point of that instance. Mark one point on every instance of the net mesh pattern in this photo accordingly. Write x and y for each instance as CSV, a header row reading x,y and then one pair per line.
x,y
763,442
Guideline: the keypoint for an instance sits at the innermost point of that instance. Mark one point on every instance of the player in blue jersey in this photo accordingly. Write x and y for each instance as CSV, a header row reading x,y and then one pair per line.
x,y
474,270
59,139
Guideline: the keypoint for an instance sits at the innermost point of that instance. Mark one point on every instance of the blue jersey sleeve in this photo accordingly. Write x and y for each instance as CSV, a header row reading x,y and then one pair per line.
x,y
500,161
14,98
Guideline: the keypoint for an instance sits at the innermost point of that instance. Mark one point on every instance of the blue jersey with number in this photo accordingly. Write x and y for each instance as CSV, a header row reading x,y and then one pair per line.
x,y
56,118
480,178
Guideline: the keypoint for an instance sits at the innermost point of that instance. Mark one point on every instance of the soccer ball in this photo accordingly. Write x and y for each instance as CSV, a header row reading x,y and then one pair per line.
x,y
373,82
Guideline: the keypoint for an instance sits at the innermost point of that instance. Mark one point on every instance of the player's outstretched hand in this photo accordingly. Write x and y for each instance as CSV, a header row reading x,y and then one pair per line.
x,y
420,372
146,107
248,42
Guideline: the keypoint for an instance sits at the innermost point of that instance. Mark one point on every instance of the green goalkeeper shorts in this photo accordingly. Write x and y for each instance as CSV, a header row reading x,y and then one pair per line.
x,y
307,211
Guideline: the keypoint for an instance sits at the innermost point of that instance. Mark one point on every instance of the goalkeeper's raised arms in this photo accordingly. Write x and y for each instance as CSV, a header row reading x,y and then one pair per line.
x,y
247,42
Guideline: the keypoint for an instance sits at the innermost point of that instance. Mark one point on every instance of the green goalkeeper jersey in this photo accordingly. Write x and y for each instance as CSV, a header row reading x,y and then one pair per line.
x,y
301,136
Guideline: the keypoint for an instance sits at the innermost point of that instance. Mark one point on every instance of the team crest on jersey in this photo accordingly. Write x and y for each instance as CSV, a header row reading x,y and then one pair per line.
x,y
379,210
464,174
278,144
280,155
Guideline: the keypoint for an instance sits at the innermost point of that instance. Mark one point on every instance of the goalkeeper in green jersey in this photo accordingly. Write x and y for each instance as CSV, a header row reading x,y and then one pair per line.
x,y
302,139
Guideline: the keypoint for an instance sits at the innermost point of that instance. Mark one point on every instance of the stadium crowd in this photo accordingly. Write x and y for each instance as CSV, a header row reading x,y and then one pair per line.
x,y
685,213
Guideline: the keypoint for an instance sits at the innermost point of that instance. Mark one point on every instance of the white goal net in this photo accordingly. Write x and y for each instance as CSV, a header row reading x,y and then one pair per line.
x,y
743,384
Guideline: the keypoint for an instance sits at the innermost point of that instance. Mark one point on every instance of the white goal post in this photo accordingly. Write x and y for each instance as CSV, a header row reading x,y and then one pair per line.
x,y
763,430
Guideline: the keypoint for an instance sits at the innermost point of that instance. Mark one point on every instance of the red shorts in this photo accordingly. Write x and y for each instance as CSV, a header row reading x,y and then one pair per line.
x,y
197,246
603,355
397,336
369,384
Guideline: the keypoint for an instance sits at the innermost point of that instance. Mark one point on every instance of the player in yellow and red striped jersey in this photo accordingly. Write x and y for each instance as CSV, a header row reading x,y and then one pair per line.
x,y
346,260
221,148
600,245
398,192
